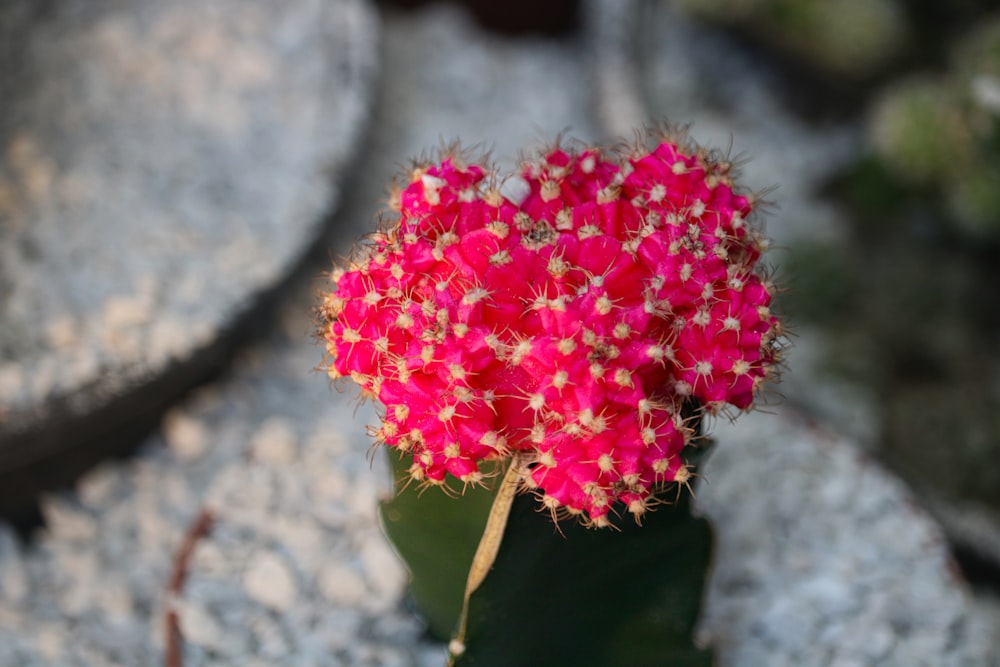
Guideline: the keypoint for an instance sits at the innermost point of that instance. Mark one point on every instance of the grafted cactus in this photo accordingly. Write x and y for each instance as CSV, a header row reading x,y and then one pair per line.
x,y
580,327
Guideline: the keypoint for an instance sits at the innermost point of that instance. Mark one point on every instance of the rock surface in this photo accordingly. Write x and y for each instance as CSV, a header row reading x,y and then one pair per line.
x,y
163,166
823,557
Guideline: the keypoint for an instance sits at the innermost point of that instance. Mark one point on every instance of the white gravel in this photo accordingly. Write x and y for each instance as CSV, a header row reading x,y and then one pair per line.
x,y
295,570
160,165
823,558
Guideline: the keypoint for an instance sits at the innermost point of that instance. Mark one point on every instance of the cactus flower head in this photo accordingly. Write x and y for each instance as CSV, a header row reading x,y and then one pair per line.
x,y
582,325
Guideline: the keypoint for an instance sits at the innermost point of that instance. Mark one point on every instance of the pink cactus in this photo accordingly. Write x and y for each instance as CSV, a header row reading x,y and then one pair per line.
x,y
572,326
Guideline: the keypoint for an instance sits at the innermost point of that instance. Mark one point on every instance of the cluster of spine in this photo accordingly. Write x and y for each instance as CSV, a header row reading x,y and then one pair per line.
x,y
576,327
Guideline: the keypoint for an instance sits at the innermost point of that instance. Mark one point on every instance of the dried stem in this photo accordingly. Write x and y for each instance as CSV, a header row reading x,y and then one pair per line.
x,y
199,528
486,552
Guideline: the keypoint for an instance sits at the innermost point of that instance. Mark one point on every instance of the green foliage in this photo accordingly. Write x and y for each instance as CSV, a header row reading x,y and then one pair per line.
x,y
911,315
941,132
978,54
847,38
870,187
558,594
592,597
920,130
945,435
436,534
974,200
824,281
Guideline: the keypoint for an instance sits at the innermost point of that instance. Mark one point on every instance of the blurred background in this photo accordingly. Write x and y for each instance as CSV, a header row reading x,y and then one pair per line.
x,y
176,177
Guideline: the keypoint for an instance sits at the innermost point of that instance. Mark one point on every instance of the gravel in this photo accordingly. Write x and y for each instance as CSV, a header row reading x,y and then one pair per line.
x,y
295,569
823,558
162,165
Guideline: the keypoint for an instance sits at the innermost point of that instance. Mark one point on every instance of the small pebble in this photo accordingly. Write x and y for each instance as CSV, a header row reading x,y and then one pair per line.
x,y
199,626
187,436
269,581
274,441
66,521
13,578
342,584
384,572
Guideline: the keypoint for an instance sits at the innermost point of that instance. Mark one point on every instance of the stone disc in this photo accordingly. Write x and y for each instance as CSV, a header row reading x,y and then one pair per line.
x,y
163,168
